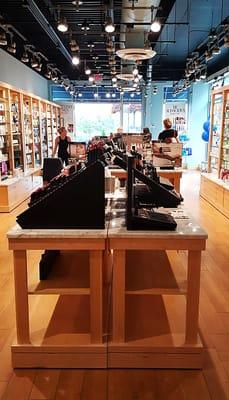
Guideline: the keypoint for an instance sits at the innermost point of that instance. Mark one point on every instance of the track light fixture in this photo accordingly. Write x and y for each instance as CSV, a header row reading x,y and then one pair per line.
x,y
155,90
216,49
135,71
91,78
155,26
109,26
132,95
114,79
62,25
25,56
73,45
77,4
48,73
87,71
113,95
11,48
34,61
203,73
226,39
75,59
108,95
3,39
91,45
85,26
80,94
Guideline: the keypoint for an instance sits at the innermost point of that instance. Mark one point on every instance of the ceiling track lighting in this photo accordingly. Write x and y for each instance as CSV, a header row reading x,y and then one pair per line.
x,y
135,71
155,26
3,39
216,49
73,45
203,73
91,45
85,26
91,78
75,59
11,48
77,4
226,39
109,26
34,62
114,79
62,25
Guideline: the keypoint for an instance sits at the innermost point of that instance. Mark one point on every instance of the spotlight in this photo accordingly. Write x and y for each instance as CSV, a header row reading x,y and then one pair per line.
x,y
75,59
145,95
34,62
208,55
113,95
85,26
154,90
80,95
155,26
48,73
136,80
62,25
109,26
138,93
91,78
87,71
203,73
226,39
216,49
135,71
115,85
74,45
114,79
108,95
11,48
25,57
54,78
96,95
77,3
3,40
38,68
135,85
132,95
90,44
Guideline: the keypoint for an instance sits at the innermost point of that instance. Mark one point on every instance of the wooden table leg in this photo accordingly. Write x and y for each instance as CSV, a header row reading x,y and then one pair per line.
x,y
118,295
96,287
193,293
21,296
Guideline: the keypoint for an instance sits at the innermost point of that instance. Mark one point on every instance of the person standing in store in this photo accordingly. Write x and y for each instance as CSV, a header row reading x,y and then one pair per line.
x,y
168,135
61,143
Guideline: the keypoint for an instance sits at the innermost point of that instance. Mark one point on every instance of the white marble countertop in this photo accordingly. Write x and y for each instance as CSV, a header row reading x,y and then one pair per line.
x,y
187,228
212,177
18,233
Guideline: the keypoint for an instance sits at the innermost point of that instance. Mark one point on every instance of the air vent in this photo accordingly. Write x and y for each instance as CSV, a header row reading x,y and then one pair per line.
x,y
136,54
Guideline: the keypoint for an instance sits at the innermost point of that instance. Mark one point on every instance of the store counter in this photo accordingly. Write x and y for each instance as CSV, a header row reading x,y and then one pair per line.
x,y
215,191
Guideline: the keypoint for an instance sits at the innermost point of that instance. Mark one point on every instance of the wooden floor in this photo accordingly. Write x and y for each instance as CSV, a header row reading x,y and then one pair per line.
x,y
210,383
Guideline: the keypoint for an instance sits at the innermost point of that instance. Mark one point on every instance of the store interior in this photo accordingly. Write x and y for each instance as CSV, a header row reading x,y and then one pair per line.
x,y
114,199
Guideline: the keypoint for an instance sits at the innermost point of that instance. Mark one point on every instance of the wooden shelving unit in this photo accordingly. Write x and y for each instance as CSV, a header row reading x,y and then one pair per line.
x,y
212,187
28,128
218,149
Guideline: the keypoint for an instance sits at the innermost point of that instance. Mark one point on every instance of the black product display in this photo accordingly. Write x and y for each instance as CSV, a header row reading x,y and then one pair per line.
x,y
143,219
76,201
155,194
51,168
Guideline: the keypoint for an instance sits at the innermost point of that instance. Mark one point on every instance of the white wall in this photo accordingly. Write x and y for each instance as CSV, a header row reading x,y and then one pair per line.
x,y
16,73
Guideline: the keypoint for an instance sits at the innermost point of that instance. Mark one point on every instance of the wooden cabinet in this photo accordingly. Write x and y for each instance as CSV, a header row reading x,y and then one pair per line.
x,y
28,128
218,149
215,192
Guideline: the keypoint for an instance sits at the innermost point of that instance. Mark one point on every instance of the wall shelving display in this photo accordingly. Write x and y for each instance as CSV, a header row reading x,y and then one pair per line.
x,y
16,130
5,134
24,143
28,133
36,133
44,136
225,139
218,148
49,129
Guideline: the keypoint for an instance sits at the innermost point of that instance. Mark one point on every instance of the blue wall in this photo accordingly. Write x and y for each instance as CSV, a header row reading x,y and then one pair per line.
x,y
22,77
198,113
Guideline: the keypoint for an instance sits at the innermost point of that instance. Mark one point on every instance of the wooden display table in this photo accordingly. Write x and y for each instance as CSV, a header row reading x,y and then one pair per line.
x,y
152,326
173,175
60,343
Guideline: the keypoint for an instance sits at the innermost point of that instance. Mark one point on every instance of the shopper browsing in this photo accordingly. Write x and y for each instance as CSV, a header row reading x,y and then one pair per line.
x,y
168,135
62,142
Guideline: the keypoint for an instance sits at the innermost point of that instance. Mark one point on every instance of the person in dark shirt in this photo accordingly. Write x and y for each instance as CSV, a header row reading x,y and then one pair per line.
x,y
62,143
169,134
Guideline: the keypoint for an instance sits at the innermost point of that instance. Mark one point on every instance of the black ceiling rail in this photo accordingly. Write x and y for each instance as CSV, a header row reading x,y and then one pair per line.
x,y
40,18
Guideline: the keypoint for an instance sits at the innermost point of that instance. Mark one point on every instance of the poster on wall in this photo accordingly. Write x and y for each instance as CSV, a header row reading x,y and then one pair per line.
x,y
67,113
177,113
